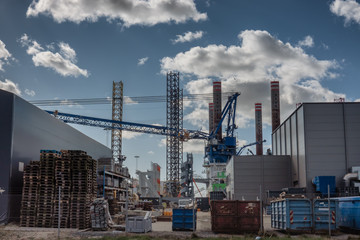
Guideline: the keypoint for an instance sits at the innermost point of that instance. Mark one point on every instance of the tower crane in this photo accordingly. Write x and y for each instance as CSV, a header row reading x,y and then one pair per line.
x,y
215,151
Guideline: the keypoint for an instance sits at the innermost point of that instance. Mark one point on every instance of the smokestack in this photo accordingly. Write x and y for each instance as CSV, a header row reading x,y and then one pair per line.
x,y
258,129
211,117
217,107
275,104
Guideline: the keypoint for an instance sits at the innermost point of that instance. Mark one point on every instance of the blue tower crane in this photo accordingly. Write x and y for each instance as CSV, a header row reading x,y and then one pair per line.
x,y
215,151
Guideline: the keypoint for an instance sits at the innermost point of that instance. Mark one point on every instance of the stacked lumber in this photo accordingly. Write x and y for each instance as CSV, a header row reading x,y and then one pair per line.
x,y
30,195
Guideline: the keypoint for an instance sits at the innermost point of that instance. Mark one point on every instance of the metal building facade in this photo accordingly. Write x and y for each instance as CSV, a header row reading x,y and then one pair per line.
x,y
323,139
25,130
245,174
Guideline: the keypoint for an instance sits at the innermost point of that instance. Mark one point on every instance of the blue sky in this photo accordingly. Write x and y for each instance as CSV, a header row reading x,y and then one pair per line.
x,y
68,49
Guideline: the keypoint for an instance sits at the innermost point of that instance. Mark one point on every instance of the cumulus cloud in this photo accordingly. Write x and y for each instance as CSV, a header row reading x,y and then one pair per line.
x,y
151,152
10,86
142,61
349,9
5,56
62,62
308,41
30,93
129,12
188,37
194,146
248,68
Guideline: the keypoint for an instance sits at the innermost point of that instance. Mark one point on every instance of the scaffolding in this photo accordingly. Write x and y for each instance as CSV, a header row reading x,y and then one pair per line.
x,y
117,113
174,120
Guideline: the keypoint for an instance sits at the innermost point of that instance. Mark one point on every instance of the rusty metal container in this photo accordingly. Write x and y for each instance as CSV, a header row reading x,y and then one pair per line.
x,y
235,216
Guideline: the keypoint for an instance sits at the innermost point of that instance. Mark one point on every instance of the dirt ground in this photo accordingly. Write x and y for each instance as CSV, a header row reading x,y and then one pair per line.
x,y
161,230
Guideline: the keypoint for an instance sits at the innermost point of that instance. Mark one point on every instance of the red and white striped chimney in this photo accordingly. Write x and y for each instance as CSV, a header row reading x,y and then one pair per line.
x,y
217,107
275,104
211,117
258,129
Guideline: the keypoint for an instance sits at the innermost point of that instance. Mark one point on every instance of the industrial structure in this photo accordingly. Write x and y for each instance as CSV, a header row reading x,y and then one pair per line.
x,y
149,182
174,120
25,130
187,178
258,129
322,140
275,104
117,115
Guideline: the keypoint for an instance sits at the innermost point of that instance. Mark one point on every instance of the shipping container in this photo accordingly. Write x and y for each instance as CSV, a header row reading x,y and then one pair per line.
x,y
321,214
292,214
235,216
348,213
183,219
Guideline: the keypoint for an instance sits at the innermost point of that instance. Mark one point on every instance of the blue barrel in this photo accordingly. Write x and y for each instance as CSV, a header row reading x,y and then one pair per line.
x,y
348,213
183,219
292,214
321,214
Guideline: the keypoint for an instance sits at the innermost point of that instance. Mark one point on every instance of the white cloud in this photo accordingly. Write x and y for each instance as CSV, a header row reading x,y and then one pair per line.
x,y
188,37
5,56
194,146
349,9
151,152
129,12
62,63
357,100
10,86
30,93
129,100
308,41
67,51
142,61
130,135
248,68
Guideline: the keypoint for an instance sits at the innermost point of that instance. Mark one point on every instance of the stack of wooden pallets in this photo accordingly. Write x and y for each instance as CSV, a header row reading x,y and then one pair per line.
x,y
30,195
82,189
62,181
45,208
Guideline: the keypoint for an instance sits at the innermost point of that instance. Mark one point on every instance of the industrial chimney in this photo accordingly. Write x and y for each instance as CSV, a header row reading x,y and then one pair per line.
x,y
211,117
275,104
258,129
217,107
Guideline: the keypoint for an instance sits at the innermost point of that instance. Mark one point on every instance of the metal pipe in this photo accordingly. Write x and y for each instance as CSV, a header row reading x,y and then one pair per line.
x,y
348,177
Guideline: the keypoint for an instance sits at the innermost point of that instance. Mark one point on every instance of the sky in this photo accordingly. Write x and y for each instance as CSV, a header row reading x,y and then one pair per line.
x,y
74,49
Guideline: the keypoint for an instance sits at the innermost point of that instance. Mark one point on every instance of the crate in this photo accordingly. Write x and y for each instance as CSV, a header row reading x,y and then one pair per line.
x,y
139,224
183,219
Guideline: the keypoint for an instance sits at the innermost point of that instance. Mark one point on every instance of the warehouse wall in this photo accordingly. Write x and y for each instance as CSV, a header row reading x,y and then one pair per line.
x,y
33,130
324,139
6,108
245,174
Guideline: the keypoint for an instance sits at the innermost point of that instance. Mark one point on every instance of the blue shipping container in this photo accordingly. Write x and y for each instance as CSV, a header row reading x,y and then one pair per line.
x,y
292,214
348,212
183,219
321,214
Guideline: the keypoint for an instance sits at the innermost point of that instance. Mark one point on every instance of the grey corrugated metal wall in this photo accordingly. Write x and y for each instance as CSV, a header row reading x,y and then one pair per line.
x,y
324,139
31,130
247,173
